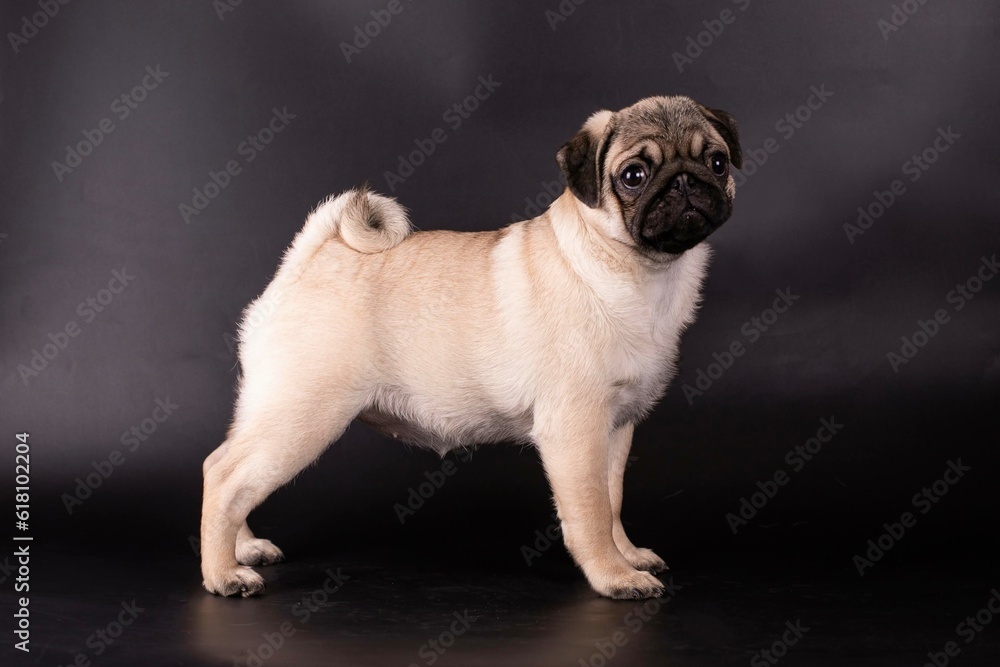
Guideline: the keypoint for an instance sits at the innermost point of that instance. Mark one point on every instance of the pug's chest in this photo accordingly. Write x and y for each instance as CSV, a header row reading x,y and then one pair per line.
x,y
641,376
643,358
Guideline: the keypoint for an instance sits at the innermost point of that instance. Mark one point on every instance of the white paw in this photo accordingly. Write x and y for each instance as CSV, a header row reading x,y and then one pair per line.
x,y
645,559
258,552
627,584
236,581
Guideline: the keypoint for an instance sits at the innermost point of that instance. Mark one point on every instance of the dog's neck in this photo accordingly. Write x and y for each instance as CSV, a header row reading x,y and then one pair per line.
x,y
591,236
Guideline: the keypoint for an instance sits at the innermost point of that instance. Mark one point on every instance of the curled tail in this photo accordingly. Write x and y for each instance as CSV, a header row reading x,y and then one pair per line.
x,y
360,219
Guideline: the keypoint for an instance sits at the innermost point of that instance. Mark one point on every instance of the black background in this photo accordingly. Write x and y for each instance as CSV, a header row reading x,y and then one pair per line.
x,y
165,336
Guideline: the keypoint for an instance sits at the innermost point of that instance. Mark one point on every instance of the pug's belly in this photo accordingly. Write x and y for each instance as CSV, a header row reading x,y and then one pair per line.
x,y
443,430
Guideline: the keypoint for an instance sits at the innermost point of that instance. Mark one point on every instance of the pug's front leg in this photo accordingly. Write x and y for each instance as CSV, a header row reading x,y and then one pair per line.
x,y
641,559
574,447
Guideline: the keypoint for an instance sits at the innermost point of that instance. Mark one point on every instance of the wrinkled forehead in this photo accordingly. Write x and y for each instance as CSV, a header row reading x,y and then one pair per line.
x,y
662,130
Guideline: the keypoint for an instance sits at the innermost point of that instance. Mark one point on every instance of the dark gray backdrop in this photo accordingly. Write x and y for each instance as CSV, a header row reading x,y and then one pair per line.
x,y
889,90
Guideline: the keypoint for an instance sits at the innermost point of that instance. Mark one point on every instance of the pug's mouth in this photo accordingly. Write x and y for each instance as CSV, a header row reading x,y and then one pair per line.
x,y
681,231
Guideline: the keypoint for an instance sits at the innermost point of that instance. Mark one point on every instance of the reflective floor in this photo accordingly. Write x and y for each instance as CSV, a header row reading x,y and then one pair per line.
x,y
380,609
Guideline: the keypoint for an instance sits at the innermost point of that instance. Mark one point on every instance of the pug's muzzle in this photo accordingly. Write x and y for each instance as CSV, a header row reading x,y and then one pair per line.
x,y
679,210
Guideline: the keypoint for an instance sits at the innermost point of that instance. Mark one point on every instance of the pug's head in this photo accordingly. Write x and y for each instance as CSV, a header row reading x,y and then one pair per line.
x,y
659,168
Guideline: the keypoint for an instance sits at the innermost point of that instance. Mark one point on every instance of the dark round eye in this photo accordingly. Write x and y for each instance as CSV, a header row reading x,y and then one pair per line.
x,y
719,164
633,176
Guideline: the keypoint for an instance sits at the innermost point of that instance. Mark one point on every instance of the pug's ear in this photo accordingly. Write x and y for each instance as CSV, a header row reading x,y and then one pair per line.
x,y
725,125
581,159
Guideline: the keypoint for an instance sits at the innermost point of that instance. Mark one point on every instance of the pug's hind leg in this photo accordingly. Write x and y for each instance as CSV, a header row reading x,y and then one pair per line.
x,y
263,453
639,558
574,451
250,550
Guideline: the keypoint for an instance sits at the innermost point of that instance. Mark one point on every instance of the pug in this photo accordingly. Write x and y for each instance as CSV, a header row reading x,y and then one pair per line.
x,y
561,331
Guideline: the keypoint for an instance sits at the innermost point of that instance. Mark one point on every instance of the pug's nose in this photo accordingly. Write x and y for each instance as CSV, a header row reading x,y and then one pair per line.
x,y
682,182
